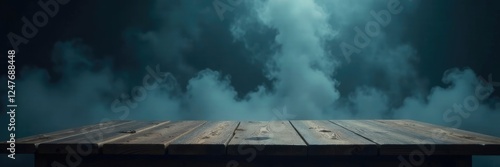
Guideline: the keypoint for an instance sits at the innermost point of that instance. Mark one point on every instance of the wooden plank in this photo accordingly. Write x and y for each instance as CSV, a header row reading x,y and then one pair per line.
x,y
426,141
454,141
423,141
390,141
266,138
326,138
29,144
91,142
153,141
210,139
463,134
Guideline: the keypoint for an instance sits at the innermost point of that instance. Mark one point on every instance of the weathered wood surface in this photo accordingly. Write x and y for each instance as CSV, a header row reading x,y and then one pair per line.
x,y
399,138
450,140
93,140
326,138
210,139
389,140
267,138
152,141
28,145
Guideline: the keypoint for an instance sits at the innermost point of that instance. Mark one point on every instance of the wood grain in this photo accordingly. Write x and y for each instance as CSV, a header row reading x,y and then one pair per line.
x,y
390,141
270,138
209,139
92,141
450,141
153,141
28,145
326,138
463,134
266,138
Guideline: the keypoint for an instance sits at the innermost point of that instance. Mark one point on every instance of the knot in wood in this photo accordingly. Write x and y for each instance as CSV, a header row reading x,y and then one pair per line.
x,y
128,131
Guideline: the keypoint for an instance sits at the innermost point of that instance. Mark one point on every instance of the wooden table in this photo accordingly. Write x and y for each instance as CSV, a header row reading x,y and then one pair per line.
x,y
258,143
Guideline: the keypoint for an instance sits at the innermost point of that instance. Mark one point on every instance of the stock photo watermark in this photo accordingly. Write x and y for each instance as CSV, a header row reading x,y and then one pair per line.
x,y
11,106
29,29
40,19
222,6
455,115
154,79
279,115
372,29
31,26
